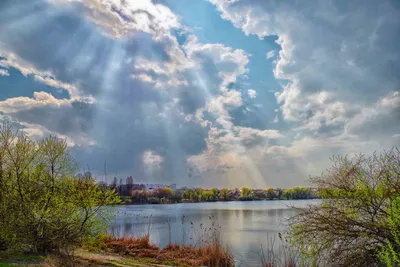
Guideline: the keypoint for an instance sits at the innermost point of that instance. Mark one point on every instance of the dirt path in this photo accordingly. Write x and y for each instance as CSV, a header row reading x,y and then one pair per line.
x,y
113,260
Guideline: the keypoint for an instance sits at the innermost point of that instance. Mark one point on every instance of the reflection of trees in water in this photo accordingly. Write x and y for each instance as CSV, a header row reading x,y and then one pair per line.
x,y
243,228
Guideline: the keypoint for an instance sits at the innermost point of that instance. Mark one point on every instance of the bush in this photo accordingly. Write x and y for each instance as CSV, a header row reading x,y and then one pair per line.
x,y
224,194
153,200
357,222
246,194
43,206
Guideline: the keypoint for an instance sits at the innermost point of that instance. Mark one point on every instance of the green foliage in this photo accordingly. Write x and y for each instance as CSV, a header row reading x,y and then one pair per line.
x,y
390,252
163,193
297,193
357,222
194,195
224,194
95,243
43,206
270,193
246,194
208,195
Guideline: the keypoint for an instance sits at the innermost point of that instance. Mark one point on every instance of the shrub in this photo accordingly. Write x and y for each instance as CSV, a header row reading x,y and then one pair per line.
x,y
357,222
153,200
43,206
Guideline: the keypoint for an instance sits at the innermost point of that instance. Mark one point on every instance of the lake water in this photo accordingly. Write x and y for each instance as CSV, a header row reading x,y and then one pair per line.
x,y
245,226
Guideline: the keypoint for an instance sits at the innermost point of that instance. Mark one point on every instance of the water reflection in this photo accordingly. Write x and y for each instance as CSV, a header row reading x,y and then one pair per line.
x,y
245,226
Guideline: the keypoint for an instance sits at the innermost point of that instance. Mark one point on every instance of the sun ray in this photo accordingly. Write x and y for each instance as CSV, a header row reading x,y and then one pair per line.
x,y
255,173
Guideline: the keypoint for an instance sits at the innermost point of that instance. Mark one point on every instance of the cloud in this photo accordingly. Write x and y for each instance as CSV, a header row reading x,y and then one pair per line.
x,y
11,60
119,17
152,159
43,114
252,93
338,64
379,121
319,50
40,99
147,91
270,54
336,59
144,97
4,72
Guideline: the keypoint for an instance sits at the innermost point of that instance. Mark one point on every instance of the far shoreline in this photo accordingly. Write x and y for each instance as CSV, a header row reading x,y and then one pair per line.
x,y
202,202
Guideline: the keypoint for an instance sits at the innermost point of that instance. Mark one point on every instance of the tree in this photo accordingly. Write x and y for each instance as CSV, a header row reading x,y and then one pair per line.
x,y
357,222
297,193
207,195
246,194
270,193
43,206
279,193
224,194
163,192
259,194
215,192
140,196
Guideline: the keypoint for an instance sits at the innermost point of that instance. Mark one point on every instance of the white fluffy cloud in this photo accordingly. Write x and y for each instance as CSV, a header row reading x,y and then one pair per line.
x,y
335,58
39,100
252,93
271,54
152,159
11,60
4,72
121,17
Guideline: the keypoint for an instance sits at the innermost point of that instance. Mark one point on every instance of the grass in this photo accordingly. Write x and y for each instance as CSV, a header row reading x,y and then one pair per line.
x,y
286,257
111,250
20,259
212,254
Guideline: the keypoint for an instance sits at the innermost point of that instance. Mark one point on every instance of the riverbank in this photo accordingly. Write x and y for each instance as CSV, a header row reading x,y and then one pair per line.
x,y
81,258
128,251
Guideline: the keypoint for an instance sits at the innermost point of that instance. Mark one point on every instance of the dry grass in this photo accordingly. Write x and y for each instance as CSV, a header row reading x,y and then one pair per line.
x,y
183,255
286,257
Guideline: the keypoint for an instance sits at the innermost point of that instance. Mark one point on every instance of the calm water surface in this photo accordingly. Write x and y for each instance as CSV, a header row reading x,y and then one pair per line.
x,y
245,226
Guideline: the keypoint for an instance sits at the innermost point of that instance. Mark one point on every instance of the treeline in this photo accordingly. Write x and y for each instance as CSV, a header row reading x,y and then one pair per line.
x,y
167,195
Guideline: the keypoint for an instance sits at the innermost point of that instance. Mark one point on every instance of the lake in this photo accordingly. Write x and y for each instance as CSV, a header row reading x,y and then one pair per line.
x,y
245,226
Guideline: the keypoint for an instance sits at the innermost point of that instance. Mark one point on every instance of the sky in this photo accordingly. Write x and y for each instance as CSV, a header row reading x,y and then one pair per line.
x,y
211,93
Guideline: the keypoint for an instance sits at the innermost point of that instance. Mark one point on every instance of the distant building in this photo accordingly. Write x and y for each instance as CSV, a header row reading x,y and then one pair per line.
x,y
151,187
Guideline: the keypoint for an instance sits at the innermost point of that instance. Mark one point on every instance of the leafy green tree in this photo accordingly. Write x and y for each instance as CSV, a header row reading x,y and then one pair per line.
x,y
208,195
246,194
357,222
224,194
215,192
390,252
43,206
297,193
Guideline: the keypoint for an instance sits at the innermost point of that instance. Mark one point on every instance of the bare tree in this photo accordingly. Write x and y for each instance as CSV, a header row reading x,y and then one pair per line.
x,y
350,227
